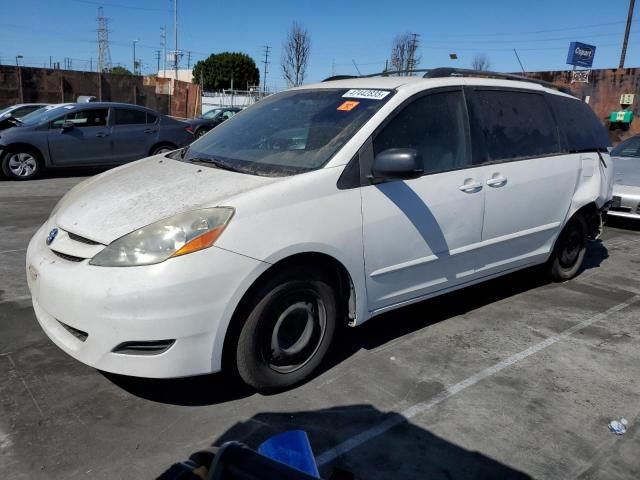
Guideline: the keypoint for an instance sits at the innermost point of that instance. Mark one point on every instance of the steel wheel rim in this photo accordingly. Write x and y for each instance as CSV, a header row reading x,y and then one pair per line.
x,y
297,328
22,164
572,245
162,150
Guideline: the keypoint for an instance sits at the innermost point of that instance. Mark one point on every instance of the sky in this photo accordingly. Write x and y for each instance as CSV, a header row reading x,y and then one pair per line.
x,y
342,32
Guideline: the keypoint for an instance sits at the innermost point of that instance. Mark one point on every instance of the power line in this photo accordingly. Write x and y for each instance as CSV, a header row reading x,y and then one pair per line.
x,y
119,5
533,32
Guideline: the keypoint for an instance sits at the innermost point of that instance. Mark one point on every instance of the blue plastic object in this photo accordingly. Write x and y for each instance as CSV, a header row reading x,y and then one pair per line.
x,y
291,448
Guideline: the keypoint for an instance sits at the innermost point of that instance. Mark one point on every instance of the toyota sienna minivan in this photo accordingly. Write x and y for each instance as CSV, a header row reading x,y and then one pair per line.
x,y
318,207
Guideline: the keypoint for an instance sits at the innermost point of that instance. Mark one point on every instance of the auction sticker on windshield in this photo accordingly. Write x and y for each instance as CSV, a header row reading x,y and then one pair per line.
x,y
369,94
348,106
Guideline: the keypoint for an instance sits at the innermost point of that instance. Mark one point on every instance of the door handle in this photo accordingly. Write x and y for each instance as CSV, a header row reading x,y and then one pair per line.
x,y
470,187
497,181
148,130
102,134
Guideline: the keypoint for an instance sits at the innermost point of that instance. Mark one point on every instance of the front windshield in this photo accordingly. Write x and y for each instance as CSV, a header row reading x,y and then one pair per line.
x,y
212,113
290,132
45,114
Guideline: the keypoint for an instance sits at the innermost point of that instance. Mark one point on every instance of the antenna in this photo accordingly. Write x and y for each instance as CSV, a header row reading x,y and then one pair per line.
x,y
104,53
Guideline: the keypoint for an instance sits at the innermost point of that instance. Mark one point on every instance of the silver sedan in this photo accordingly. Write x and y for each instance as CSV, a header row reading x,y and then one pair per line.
x,y
626,186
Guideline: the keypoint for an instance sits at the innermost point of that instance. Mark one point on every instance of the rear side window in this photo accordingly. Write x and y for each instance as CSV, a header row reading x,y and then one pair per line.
x,y
515,124
436,126
151,118
130,116
581,128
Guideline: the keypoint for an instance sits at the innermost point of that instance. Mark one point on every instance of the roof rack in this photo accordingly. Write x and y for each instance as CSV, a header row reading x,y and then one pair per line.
x,y
455,72
466,72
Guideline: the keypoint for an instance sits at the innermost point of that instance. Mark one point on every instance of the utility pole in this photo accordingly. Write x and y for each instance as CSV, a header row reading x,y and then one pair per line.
x,y
158,60
175,39
626,33
104,52
189,60
91,64
163,44
49,61
135,66
267,48
411,61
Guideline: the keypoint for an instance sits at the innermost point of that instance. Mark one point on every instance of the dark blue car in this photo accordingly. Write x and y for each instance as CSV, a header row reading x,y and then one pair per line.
x,y
88,134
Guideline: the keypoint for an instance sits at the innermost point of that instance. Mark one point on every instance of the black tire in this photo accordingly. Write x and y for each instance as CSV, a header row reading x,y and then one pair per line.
x,y
162,148
21,163
200,132
569,250
288,331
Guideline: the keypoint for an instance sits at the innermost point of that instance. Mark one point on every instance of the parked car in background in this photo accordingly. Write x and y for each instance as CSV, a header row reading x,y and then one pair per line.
x,y
211,119
9,115
88,134
626,184
317,207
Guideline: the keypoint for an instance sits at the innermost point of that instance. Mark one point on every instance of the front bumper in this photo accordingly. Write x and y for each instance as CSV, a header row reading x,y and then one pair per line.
x,y
188,299
625,202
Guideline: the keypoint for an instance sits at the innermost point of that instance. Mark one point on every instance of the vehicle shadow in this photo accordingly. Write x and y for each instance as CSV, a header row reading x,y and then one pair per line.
x,y
223,387
624,223
397,449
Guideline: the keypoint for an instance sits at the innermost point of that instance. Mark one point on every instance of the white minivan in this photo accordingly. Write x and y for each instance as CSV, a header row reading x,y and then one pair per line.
x,y
318,207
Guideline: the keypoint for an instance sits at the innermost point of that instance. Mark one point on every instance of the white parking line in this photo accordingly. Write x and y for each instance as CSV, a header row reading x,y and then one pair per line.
x,y
363,437
15,299
13,251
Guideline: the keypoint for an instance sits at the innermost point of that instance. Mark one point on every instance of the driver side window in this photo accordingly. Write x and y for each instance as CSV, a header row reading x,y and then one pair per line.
x,y
436,126
94,117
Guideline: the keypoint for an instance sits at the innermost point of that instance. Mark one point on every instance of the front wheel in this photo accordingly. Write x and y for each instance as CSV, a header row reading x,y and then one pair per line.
x,y
288,331
160,149
21,164
569,250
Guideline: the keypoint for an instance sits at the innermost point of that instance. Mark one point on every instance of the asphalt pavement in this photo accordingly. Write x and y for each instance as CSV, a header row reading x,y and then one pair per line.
x,y
514,378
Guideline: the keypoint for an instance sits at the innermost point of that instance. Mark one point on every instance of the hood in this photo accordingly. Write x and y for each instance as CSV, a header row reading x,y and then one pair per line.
x,y
125,199
626,171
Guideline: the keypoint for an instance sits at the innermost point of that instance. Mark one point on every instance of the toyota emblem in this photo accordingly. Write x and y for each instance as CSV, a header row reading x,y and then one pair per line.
x,y
52,236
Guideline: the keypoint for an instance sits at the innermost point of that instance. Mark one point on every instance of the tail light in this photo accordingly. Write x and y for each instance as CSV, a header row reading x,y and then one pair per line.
x,y
189,129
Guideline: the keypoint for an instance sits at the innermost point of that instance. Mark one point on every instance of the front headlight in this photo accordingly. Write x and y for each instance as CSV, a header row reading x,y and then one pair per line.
x,y
174,236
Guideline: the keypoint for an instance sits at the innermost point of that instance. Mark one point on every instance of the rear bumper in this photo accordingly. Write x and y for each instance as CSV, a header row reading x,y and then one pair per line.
x,y
625,202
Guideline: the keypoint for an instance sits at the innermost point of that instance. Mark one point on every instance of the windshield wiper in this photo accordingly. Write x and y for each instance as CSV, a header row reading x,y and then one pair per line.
x,y
213,161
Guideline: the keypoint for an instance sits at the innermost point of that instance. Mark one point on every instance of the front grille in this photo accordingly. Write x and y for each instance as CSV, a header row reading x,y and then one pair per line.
x,y
79,334
153,347
80,239
70,258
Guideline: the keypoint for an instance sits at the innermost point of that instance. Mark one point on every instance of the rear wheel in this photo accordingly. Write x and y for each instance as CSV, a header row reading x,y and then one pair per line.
x,y
200,132
21,164
570,249
288,332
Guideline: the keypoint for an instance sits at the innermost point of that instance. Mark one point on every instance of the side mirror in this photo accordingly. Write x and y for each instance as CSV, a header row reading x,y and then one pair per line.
x,y
398,164
67,125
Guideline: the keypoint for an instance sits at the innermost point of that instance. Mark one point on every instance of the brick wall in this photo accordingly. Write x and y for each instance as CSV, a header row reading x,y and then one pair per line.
x,y
25,85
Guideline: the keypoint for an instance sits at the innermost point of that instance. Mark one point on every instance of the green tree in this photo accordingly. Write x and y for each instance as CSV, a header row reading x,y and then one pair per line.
x,y
217,70
120,71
